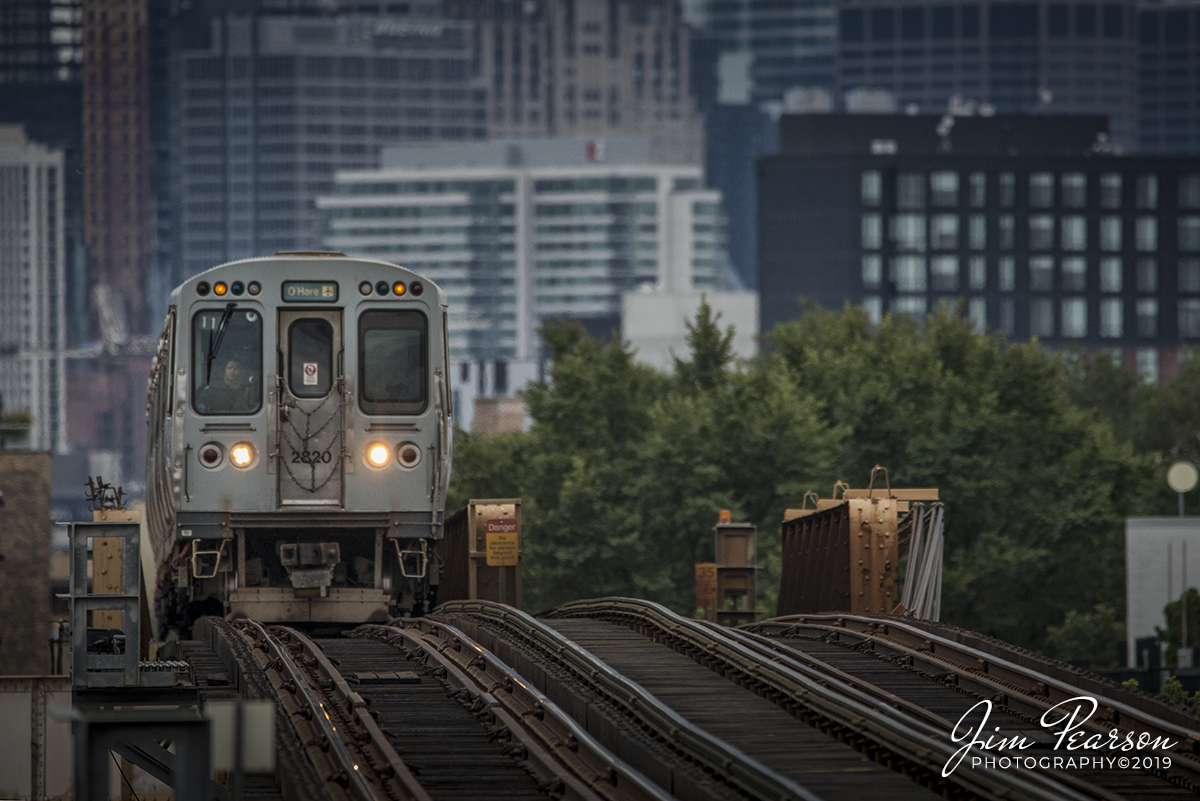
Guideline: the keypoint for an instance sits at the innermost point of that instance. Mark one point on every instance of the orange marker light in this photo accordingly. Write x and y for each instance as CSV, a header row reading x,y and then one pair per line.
x,y
220,288
399,288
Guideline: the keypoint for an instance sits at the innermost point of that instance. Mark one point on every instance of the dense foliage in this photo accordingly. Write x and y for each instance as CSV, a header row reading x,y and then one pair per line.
x,y
1039,458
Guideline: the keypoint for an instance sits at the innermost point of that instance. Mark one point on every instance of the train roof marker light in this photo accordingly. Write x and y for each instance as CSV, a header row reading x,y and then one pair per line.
x,y
237,287
416,288
365,288
202,289
377,454
383,288
254,288
399,288
220,289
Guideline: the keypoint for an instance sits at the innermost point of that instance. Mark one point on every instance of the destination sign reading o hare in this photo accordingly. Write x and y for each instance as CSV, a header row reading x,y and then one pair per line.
x,y
310,291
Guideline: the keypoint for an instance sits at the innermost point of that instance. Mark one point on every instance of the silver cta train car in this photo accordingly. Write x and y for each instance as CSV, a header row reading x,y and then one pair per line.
x,y
299,441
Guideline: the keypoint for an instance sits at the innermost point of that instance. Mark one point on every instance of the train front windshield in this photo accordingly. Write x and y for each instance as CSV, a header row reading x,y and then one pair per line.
x,y
227,361
392,358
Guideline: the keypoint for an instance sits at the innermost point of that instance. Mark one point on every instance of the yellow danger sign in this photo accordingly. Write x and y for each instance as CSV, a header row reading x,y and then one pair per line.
x,y
503,539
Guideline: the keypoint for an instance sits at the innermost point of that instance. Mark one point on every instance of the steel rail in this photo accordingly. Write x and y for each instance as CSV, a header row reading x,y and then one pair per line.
x,y
810,701
538,722
1153,705
1036,689
719,759
369,737
864,692
342,770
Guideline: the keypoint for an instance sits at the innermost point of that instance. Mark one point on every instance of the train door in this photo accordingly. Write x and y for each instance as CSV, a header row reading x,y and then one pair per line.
x,y
310,426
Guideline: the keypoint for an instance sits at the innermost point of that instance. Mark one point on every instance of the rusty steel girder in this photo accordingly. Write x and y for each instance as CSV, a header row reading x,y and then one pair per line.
x,y
842,558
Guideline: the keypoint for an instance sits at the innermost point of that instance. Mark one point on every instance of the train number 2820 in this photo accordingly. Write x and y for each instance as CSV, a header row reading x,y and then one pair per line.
x,y
311,457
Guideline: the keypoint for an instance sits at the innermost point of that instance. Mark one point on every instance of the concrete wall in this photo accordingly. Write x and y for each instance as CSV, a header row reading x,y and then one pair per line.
x,y
24,563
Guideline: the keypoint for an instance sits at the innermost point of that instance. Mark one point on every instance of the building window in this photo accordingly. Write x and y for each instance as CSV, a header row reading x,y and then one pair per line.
x,y
873,306
872,188
1074,274
1041,190
1110,233
872,271
1007,273
1112,272
1112,319
1041,232
908,232
1074,317
978,232
1189,275
872,232
1147,192
977,309
943,187
1147,364
977,272
1074,190
1041,317
1008,230
1147,275
910,190
1147,318
1041,274
978,196
910,306
1008,190
1189,234
1189,318
908,273
943,273
944,232
1110,190
1074,232
1008,317
1146,234
1189,192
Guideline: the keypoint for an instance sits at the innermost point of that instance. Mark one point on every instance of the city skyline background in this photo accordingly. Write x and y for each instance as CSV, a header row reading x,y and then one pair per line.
x,y
194,132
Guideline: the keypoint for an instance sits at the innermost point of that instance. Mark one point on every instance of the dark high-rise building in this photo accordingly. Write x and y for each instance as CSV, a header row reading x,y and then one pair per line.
x,y
1028,220
780,46
1168,77
41,89
269,103
1009,56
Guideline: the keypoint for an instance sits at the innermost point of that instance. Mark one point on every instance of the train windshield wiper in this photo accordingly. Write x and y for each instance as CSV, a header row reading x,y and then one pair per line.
x,y
214,341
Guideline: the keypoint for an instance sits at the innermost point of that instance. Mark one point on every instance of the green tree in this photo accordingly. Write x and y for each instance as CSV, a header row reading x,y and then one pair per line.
x,y
1034,487
1172,635
1093,636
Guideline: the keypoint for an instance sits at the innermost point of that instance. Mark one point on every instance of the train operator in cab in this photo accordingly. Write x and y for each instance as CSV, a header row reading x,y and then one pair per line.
x,y
235,392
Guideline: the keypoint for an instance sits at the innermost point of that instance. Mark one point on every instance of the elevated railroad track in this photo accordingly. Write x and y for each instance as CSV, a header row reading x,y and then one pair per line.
x,y
621,699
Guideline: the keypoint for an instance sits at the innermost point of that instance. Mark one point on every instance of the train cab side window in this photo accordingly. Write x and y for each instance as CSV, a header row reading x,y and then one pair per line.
x,y
393,366
227,361
310,358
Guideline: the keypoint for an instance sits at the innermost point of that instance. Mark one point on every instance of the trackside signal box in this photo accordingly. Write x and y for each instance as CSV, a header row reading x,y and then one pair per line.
x,y
481,551
737,572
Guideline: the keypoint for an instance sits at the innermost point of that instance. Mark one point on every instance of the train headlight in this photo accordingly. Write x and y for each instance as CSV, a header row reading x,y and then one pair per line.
x,y
408,455
377,454
242,454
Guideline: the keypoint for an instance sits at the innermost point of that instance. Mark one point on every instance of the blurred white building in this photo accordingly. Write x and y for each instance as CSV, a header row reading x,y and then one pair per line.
x,y
32,276
520,231
655,323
